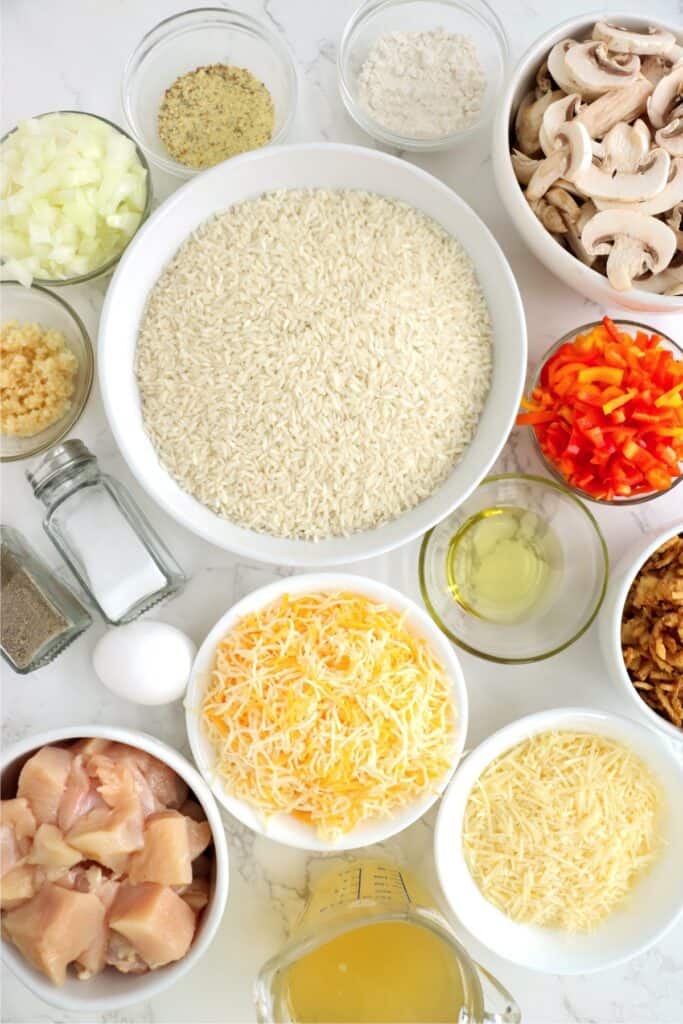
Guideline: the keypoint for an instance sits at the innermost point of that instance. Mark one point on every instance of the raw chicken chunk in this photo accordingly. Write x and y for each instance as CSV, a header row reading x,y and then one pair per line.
x,y
196,894
89,747
94,959
155,920
42,782
80,795
200,836
111,777
121,955
17,826
51,849
54,928
168,788
165,857
191,809
18,885
111,835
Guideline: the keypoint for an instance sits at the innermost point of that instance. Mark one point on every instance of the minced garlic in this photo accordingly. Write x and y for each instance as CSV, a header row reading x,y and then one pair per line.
x,y
213,113
37,370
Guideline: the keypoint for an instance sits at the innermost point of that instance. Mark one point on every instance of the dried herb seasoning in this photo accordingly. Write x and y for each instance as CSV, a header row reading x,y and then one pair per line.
x,y
213,113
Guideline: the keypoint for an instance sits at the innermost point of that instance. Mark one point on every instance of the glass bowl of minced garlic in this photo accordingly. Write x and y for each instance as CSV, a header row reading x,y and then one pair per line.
x,y
46,369
206,85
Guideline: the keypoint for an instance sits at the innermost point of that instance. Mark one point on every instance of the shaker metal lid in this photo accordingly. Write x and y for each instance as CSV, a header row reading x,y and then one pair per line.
x,y
63,456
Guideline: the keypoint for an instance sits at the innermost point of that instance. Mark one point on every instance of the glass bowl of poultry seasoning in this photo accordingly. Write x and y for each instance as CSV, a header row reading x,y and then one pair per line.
x,y
207,85
46,369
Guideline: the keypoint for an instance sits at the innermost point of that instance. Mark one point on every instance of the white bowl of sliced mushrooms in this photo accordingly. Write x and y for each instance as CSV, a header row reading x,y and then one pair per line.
x,y
588,158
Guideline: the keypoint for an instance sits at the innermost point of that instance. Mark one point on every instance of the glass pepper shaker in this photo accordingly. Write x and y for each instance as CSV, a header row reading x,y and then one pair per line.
x,y
39,615
102,535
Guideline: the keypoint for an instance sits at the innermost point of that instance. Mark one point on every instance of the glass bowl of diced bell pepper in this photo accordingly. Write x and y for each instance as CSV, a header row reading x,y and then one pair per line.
x,y
605,410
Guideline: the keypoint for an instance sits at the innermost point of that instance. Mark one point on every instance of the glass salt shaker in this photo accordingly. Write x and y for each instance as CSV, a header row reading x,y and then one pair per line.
x,y
104,538
39,615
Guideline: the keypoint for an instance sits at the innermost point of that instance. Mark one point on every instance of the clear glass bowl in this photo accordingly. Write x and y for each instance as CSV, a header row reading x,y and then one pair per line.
x,y
473,18
192,39
37,305
626,325
572,602
104,268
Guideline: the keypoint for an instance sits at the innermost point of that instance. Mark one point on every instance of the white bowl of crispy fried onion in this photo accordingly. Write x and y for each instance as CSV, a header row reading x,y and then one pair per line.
x,y
244,719
647,646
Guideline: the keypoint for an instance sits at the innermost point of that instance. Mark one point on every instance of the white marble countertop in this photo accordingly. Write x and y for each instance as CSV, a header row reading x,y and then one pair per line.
x,y
70,55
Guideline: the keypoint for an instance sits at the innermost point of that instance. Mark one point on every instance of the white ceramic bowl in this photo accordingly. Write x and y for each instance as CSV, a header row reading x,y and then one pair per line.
x,y
283,827
655,904
110,990
312,165
558,260
621,578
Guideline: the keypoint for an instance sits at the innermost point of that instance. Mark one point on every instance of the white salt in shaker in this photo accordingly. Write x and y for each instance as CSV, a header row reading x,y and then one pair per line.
x,y
104,538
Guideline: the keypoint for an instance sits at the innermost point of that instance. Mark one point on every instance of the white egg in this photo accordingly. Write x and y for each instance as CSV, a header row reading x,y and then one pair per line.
x,y
146,662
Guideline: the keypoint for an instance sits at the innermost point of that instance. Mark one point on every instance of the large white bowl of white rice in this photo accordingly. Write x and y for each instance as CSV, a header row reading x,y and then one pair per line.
x,y
311,354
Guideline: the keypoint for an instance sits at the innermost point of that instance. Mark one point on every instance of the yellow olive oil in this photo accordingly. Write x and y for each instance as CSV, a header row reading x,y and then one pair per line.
x,y
392,971
504,564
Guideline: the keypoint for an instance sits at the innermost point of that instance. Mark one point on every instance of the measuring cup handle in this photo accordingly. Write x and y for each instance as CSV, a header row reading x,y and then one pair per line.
x,y
510,1012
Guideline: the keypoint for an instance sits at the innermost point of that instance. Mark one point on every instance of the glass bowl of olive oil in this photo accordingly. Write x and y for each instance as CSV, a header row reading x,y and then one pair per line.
x,y
517,572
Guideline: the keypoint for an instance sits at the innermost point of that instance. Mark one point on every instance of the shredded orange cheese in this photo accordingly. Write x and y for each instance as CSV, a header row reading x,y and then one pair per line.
x,y
559,829
328,707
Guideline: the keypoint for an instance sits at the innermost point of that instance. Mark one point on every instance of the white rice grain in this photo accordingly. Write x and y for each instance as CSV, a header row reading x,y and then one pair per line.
x,y
313,363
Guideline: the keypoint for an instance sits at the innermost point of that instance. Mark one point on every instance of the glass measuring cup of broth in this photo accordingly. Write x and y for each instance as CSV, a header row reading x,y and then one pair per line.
x,y
372,947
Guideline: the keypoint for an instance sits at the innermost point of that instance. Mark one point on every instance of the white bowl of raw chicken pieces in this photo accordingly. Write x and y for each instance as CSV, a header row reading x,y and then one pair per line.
x,y
114,866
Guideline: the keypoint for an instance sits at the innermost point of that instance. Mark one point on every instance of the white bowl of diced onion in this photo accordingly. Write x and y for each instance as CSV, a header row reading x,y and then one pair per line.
x,y
285,828
652,907
100,195
110,990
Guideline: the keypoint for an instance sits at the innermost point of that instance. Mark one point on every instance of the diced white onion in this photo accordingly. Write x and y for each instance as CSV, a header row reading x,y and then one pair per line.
x,y
72,194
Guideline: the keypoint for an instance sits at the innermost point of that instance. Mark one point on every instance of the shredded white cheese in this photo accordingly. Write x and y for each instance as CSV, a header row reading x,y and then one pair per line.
x,y
328,707
558,830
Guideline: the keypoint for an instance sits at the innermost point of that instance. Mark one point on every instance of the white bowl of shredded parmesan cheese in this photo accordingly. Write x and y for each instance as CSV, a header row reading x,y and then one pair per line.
x,y
326,711
559,842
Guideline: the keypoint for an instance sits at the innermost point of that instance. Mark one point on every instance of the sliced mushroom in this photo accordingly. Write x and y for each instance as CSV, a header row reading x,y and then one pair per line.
x,y
666,98
529,118
554,116
665,283
649,180
674,221
523,166
624,146
670,137
597,71
565,204
614,106
625,40
544,82
633,243
557,65
573,236
666,200
656,68
550,217
573,156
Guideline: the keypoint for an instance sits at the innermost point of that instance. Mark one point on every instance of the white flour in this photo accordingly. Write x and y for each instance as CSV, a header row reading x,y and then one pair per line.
x,y
422,84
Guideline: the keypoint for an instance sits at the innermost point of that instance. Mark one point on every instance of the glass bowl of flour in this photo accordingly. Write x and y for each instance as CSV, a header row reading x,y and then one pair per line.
x,y
422,74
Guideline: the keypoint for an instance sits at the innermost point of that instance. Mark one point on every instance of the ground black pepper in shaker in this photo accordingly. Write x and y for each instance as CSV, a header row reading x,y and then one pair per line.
x,y
39,615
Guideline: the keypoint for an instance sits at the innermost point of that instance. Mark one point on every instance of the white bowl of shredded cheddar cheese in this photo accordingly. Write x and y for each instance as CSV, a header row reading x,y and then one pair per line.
x,y
625,814
326,711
